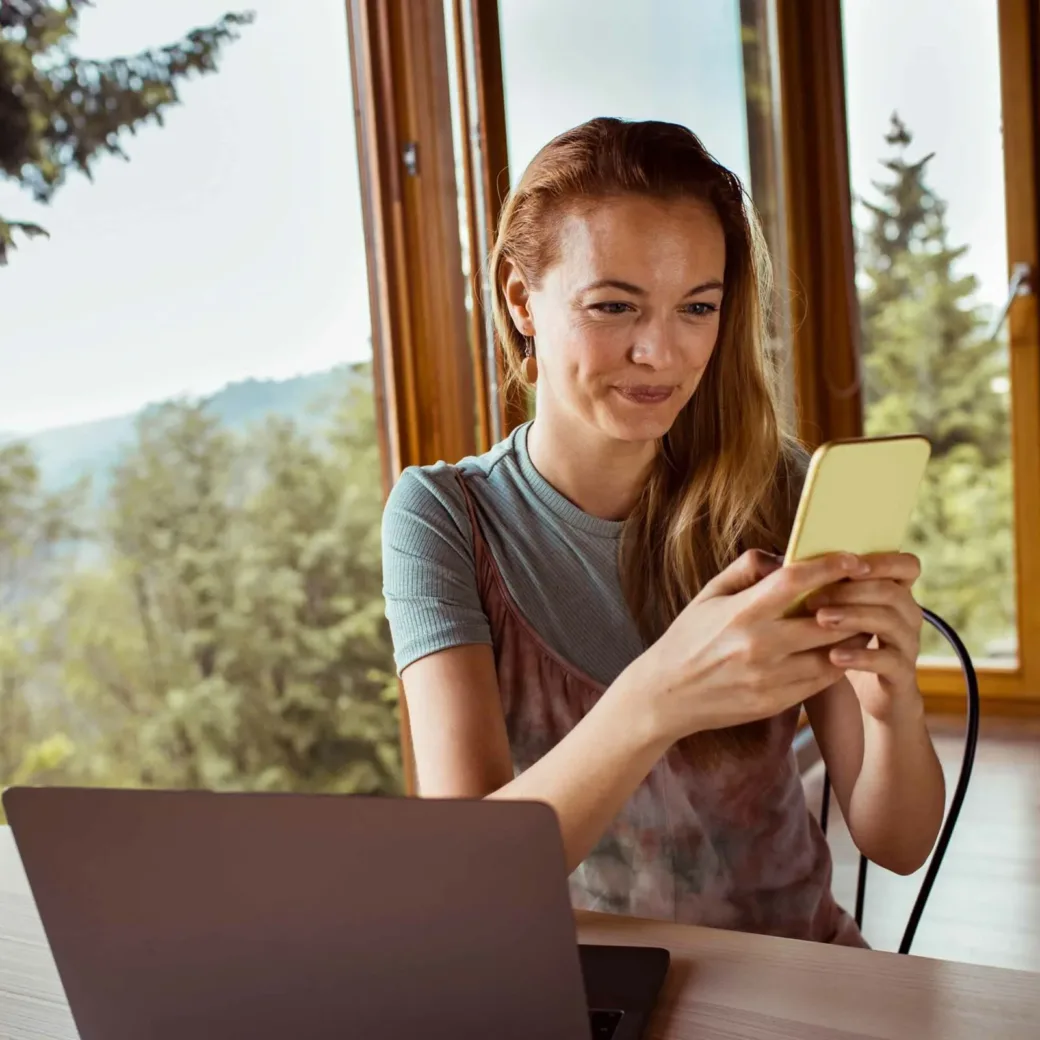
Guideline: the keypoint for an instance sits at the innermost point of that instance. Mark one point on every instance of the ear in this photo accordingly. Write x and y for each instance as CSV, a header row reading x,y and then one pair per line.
x,y
515,290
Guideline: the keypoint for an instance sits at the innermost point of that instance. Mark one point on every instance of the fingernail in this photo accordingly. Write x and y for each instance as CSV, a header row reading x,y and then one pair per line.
x,y
850,563
842,656
830,617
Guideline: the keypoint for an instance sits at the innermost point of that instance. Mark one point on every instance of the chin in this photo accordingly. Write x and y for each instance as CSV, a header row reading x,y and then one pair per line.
x,y
638,424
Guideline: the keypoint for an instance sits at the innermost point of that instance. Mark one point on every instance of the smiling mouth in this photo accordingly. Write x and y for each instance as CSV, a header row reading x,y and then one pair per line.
x,y
645,394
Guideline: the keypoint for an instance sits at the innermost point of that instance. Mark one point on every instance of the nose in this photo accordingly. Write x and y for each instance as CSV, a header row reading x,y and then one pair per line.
x,y
655,345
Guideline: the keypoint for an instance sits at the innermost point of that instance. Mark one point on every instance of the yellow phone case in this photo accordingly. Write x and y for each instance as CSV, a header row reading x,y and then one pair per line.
x,y
858,496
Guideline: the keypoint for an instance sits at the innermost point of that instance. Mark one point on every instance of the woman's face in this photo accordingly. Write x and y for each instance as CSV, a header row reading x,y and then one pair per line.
x,y
626,321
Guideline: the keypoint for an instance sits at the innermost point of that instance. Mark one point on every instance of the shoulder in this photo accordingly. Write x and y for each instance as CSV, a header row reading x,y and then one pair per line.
x,y
431,504
425,507
426,491
435,495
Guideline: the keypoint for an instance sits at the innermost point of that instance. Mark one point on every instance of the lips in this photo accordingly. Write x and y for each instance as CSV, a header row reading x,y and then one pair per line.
x,y
645,394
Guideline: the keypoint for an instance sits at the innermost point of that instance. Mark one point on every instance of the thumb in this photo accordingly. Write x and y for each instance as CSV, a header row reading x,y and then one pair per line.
x,y
745,571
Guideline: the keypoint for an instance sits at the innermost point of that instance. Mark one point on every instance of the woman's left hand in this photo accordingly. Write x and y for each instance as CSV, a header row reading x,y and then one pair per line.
x,y
878,605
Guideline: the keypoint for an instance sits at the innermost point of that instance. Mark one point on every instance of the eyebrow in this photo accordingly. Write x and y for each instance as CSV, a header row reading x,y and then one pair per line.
x,y
635,290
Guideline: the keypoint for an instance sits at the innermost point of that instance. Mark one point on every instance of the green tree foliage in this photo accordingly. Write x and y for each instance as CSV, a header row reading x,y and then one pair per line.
x,y
37,536
60,112
228,631
930,367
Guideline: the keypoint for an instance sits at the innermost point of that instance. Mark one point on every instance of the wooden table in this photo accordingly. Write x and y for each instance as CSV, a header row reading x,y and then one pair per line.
x,y
722,985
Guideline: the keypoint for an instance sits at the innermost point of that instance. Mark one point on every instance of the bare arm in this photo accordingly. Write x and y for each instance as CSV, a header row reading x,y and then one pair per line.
x,y
461,749
885,775
871,725
729,658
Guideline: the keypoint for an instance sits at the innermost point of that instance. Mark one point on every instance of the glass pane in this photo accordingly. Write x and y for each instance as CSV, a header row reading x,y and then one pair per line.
x,y
704,63
485,424
927,172
190,478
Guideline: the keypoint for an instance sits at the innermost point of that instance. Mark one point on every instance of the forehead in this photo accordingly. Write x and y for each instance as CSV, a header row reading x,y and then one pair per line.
x,y
642,241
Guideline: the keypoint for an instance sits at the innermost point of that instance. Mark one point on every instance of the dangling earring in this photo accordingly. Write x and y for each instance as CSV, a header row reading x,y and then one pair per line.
x,y
529,366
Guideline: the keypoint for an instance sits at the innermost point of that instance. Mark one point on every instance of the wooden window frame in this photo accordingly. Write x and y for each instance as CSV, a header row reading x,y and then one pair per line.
x,y
437,383
486,169
419,327
821,259
1020,103
422,369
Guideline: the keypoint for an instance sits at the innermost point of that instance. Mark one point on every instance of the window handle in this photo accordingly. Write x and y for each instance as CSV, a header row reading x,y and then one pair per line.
x,y
1020,284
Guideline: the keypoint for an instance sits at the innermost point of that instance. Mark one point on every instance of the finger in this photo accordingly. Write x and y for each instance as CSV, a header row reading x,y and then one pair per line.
x,y
904,568
857,642
782,589
810,666
886,663
744,572
799,683
887,623
803,690
869,592
789,636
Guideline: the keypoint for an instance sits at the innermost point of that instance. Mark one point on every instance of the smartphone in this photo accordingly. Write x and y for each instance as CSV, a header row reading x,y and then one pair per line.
x,y
858,497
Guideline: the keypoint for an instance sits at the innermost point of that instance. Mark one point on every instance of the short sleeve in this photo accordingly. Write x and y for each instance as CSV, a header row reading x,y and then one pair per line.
x,y
429,573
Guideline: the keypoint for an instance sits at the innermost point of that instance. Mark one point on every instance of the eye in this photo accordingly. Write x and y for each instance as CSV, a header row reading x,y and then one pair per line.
x,y
700,310
611,307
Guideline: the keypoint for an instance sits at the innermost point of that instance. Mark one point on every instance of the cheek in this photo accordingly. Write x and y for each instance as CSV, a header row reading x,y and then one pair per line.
x,y
699,345
583,350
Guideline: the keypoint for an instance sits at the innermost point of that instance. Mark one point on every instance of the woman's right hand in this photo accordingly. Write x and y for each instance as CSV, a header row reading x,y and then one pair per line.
x,y
732,657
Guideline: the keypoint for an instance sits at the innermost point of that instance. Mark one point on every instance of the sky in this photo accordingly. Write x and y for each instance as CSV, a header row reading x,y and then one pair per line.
x,y
231,245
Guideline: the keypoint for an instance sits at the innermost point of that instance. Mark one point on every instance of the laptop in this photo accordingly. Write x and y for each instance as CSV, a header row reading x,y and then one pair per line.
x,y
175,914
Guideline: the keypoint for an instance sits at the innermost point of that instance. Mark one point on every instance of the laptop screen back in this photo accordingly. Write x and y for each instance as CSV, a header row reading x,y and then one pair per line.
x,y
274,916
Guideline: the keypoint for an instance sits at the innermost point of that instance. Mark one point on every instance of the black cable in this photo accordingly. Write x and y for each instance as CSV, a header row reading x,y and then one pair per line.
x,y
971,740
861,889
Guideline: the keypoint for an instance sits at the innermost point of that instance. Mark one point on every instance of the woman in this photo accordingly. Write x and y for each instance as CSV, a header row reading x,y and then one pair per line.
x,y
591,614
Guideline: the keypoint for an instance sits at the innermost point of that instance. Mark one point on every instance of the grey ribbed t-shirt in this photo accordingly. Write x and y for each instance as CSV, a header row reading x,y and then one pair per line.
x,y
559,564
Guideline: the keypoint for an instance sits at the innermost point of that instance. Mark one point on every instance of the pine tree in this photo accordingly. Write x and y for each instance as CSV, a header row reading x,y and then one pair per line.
x,y
228,632
930,367
60,112
38,534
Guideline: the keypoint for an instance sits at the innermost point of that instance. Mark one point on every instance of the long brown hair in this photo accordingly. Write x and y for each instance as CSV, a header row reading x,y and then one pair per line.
x,y
720,481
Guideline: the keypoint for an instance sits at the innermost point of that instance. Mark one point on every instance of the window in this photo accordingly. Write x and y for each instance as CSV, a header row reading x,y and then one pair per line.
x,y
927,171
190,475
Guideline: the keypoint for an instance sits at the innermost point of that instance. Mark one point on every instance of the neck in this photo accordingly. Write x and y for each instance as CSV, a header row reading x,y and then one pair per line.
x,y
601,476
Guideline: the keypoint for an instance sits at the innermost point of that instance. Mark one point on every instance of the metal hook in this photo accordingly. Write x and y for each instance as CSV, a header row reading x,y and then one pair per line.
x,y
1020,284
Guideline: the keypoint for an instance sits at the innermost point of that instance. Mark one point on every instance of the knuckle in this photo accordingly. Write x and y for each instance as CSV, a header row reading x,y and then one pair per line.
x,y
836,563
757,679
750,560
790,580
888,660
898,594
884,591
745,647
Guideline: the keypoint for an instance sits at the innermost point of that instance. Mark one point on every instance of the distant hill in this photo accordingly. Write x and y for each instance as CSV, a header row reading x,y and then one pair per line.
x,y
67,453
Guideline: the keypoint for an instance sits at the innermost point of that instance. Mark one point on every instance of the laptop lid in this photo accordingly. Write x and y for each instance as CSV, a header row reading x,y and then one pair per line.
x,y
275,916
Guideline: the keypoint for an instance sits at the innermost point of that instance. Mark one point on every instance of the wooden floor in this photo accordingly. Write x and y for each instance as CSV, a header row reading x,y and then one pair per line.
x,y
985,906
